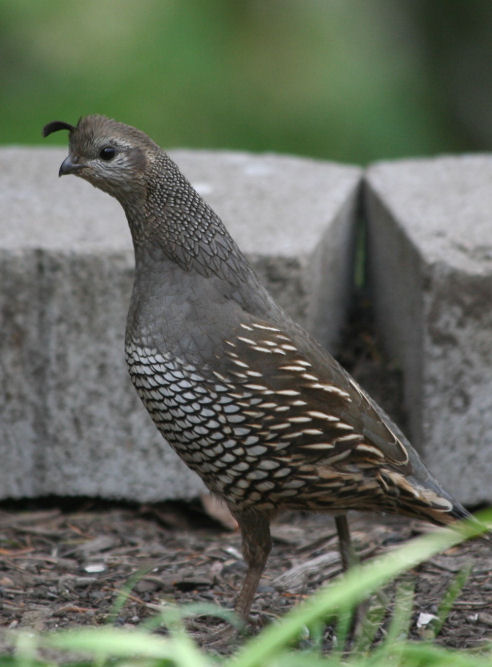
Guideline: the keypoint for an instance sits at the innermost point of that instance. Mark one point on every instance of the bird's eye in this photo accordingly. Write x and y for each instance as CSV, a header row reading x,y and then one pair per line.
x,y
107,153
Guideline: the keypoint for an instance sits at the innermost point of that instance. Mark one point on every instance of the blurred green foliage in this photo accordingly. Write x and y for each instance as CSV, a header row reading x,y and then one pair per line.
x,y
349,80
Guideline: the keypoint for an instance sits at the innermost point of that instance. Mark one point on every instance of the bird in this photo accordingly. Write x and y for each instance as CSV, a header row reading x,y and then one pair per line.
x,y
247,398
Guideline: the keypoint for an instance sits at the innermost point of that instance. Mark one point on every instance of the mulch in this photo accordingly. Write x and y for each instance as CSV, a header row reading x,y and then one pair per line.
x,y
66,566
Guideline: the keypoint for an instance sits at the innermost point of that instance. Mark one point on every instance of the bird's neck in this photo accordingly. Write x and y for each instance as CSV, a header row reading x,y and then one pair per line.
x,y
181,246
176,221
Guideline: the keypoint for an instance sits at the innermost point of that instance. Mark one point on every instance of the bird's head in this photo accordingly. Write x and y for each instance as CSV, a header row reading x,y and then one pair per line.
x,y
112,156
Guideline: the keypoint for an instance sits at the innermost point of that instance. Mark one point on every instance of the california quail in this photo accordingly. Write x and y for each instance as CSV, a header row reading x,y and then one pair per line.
x,y
245,396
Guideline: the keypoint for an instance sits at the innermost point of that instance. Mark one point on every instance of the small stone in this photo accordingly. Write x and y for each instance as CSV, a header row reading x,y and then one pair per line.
x,y
93,568
424,619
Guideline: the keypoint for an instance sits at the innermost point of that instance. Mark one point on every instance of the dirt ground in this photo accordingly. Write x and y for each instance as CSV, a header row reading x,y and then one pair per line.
x,y
63,563
65,566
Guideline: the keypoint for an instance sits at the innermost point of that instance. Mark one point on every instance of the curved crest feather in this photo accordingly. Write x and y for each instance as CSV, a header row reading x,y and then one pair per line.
x,y
56,125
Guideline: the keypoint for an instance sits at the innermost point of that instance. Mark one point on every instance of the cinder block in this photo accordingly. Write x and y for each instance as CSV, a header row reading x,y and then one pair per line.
x,y
430,264
70,421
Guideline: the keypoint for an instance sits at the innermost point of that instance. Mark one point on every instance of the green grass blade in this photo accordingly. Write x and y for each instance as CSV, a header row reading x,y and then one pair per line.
x,y
389,653
169,614
370,626
453,591
343,625
423,654
124,643
124,594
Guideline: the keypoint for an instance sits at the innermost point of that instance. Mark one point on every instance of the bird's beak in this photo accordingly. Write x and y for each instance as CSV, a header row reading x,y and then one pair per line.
x,y
69,166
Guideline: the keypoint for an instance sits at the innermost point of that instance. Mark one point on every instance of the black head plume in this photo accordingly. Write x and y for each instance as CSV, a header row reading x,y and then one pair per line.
x,y
56,125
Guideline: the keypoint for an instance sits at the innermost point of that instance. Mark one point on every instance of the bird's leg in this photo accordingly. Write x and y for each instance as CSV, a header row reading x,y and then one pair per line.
x,y
350,558
347,551
257,543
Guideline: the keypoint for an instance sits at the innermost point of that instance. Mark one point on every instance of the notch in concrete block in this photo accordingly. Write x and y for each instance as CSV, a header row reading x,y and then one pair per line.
x,y
430,266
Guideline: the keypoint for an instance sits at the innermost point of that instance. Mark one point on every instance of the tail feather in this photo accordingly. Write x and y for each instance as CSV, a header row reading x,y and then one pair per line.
x,y
457,513
427,500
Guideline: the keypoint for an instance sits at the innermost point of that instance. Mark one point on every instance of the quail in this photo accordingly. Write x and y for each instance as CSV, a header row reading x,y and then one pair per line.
x,y
267,418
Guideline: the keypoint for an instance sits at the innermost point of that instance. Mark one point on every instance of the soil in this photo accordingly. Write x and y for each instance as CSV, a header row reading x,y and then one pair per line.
x,y
64,563
66,566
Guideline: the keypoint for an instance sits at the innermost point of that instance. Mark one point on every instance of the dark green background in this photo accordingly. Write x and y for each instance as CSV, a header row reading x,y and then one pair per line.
x,y
348,80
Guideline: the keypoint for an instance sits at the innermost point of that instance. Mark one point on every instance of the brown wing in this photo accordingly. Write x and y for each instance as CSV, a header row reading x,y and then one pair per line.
x,y
310,405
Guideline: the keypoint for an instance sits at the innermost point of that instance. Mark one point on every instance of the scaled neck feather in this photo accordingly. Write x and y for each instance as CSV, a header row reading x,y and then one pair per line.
x,y
182,225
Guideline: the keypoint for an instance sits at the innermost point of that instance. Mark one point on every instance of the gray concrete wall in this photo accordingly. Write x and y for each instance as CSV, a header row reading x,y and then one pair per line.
x,y
70,421
430,259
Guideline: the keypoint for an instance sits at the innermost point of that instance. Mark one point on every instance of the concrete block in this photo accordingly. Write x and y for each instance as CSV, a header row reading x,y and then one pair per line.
x,y
430,265
70,421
